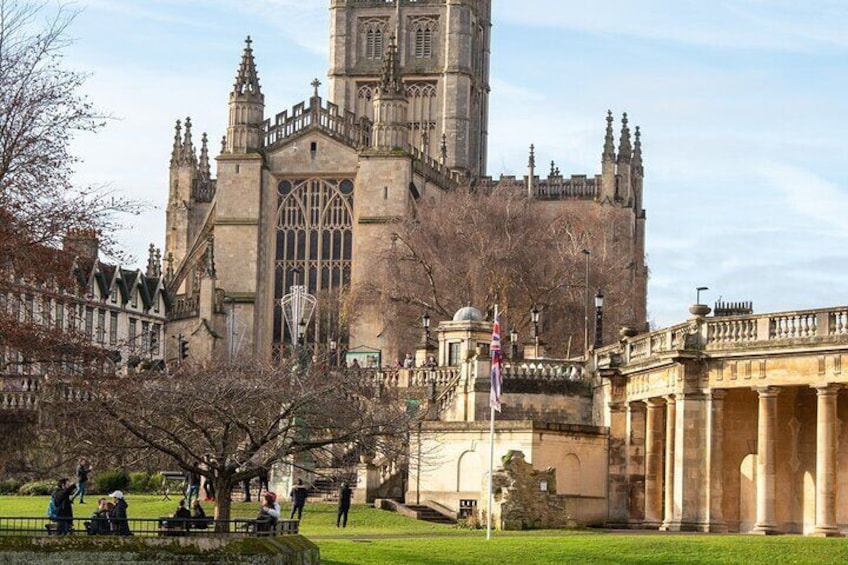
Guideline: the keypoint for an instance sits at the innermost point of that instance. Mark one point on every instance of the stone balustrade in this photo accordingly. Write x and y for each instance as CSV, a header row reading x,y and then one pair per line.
x,y
730,332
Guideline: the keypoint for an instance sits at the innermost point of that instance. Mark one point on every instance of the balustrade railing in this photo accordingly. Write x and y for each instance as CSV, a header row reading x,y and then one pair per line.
x,y
148,527
728,331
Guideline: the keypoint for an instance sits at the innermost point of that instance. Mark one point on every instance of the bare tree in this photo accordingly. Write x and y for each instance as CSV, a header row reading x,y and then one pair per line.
x,y
41,109
476,247
228,420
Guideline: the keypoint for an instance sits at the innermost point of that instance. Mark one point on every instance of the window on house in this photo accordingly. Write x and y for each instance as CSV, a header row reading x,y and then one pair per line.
x,y
113,328
453,353
135,297
132,333
89,322
29,308
145,337
60,316
101,326
154,339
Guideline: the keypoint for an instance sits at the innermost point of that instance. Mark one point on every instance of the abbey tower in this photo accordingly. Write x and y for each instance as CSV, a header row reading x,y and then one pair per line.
x,y
309,194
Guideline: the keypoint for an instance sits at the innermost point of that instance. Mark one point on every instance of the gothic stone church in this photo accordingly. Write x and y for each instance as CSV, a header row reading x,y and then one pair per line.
x,y
315,188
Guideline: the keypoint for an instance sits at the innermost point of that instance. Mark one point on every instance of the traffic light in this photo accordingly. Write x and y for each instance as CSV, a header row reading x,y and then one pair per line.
x,y
182,347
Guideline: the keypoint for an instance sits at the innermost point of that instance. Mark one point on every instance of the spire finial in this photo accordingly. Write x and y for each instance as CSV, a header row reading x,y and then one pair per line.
x,y
203,166
169,270
247,80
209,257
532,162
609,142
151,261
189,157
177,149
637,149
624,149
391,81
158,262
223,144
553,169
315,84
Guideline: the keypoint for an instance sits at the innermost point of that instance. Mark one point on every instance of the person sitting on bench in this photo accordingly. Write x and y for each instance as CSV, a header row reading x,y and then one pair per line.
x,y
269,513
199,519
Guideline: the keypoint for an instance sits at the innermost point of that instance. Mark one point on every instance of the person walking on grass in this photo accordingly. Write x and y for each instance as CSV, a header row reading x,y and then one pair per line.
x,y
344,505
298,495
83,470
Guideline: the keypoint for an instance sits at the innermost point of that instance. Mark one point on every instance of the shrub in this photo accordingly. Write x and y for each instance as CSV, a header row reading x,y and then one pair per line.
x,y
9,486
37,488
143,482
108,481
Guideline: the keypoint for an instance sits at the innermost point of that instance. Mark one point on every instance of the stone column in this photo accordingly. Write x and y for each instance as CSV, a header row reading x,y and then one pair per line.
x,y
618,500
636,462
653,463
716,461
766,464
826,461
670,419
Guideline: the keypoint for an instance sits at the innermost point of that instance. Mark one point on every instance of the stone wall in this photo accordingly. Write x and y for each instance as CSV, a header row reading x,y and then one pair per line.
x,y
94,550
526,498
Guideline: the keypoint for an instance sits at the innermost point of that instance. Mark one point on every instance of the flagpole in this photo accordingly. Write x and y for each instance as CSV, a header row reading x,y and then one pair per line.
x,y
491,455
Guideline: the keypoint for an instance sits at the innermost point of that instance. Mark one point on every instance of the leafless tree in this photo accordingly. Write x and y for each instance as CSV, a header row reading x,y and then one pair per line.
x,y
227,420
477,247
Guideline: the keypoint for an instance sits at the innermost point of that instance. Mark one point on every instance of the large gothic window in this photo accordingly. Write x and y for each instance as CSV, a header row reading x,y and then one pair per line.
x,y
314,235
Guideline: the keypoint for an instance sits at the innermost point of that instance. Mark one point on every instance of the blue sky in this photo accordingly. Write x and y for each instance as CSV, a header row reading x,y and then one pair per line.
x,y
741,105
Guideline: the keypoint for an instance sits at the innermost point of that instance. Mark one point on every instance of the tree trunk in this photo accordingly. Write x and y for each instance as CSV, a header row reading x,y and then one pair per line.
x,y
223,504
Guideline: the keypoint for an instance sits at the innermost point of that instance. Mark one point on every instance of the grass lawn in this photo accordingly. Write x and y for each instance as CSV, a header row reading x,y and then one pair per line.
x,y
378,537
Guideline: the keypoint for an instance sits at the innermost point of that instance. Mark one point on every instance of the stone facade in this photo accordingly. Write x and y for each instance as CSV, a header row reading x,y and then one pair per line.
x,y
316,187
730,424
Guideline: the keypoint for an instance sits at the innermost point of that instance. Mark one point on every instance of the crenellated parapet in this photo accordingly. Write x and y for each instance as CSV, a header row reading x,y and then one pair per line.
x,y
315,115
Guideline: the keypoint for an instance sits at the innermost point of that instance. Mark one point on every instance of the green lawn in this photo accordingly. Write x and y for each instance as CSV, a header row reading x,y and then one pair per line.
x,y
377,537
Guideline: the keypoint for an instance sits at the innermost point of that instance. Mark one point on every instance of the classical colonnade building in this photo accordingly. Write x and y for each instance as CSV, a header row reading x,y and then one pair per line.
x,y
729,424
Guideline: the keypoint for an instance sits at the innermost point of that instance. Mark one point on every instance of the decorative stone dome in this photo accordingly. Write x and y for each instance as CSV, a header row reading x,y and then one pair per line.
x,y
468,314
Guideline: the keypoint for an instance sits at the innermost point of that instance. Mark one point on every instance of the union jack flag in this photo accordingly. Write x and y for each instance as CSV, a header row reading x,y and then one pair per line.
x,y
497,369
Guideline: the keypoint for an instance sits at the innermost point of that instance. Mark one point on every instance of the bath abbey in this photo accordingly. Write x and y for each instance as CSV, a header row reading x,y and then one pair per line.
x,y
309,195
729,421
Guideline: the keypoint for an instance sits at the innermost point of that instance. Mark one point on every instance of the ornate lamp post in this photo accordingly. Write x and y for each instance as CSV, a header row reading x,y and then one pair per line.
x,y
301,334
599,319
534,319
513,343
425,324
334,351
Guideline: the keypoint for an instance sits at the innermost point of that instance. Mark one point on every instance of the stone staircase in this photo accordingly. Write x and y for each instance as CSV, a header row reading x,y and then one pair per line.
x,y
427,514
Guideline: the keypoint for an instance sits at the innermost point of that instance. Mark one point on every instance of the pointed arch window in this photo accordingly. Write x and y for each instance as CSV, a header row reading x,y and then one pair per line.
x,y
314,235
423,31
373,32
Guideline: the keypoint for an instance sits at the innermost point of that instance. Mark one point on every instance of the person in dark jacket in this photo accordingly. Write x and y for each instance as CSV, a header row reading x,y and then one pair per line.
x,y
99,524
83,470
64,509
344,505
199,520
120,525
192,486
298,495
263,481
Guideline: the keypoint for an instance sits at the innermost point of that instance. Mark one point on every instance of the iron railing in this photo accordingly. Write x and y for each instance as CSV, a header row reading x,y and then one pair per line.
x,y
150,527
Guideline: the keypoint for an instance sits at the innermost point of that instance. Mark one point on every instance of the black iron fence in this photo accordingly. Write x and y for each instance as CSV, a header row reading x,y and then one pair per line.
x,y
147,527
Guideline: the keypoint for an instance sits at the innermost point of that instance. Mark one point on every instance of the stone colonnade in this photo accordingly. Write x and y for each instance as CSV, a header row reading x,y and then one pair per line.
x,y
670,467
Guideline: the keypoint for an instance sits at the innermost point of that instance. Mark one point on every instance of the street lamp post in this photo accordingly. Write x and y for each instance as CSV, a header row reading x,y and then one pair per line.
x,y
599,319
513,344
301,334
587,254
334,350
534,319
698,291
425,324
